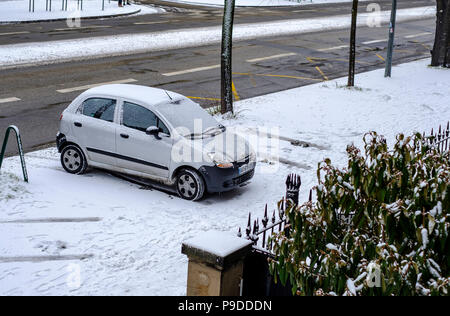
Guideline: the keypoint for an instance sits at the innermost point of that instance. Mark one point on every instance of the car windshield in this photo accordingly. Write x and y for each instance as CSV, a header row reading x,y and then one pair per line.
x,y
190,118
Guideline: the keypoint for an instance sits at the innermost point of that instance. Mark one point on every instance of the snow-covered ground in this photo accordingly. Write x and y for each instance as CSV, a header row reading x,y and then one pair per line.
x,y
18,10
115,45
260,3
130,238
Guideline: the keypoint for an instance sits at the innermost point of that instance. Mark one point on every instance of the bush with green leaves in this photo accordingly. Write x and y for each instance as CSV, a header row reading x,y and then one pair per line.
x,y
380,226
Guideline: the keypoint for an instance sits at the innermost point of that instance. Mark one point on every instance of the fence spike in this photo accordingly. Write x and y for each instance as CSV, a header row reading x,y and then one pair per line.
x,y
310,195
273,217
249,225
265,219
254,228
239,234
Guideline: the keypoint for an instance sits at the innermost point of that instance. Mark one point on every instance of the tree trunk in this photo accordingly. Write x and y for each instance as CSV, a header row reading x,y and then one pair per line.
x,y
446,40
440,40
227,45
352,58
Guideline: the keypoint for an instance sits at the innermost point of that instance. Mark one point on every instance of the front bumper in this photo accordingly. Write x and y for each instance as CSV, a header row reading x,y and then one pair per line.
x,y
225,179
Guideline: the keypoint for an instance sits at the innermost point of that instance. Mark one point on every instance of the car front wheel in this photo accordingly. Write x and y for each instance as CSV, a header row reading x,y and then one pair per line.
x,y
73,160
190,185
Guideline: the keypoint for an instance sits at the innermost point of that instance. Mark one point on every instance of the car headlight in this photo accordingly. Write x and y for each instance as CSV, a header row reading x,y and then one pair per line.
x,y
221,162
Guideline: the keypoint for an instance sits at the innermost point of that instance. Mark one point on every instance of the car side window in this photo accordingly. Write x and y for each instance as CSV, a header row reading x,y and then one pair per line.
x,y
138,117
99,108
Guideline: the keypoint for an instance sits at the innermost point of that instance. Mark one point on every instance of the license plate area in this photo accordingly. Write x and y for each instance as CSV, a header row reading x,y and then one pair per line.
x,y
244,169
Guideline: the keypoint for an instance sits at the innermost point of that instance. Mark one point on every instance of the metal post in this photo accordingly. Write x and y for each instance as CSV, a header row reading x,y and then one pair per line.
x,y
390,51
226,64
19,145
103,5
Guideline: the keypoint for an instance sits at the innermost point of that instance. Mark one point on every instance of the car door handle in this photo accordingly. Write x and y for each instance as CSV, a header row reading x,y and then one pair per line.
x,y
124,135
77,124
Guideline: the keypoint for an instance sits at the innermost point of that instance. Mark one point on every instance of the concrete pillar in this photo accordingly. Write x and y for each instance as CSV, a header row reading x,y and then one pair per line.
x,y
216,264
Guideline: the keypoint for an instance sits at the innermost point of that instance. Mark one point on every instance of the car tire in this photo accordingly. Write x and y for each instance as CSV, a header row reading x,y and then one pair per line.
x,y
190,185
73,160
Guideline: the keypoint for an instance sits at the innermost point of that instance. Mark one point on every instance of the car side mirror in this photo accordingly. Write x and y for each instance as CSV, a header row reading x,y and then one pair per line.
x,y
153,130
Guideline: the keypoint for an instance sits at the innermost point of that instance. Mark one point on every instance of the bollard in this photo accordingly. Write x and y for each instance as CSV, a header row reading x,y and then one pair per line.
x,y
216,264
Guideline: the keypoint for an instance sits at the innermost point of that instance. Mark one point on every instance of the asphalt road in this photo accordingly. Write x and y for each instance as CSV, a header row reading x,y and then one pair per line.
x,y
260,66
179,16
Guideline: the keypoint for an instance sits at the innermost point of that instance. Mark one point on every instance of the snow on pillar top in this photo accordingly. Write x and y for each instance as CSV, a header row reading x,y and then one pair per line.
x,y
216,248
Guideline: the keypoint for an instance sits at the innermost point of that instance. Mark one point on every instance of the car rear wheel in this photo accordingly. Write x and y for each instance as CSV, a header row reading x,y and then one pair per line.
x,y
73,160
190,185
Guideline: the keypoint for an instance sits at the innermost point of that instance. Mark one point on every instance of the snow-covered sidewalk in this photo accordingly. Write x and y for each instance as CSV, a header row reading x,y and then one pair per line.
x,y
126,44
18,10
130,238
261,3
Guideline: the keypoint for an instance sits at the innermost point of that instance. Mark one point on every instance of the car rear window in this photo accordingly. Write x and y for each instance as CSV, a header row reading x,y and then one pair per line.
x,y
99,108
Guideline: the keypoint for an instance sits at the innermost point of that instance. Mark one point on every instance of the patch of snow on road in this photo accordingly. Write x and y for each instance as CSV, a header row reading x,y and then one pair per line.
x,y
260,3
18,10
125,44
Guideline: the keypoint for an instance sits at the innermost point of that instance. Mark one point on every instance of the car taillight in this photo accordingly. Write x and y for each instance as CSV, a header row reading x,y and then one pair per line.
x,y
60,118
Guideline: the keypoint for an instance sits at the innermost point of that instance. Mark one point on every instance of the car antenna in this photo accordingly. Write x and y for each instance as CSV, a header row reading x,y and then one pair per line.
x,y
168,95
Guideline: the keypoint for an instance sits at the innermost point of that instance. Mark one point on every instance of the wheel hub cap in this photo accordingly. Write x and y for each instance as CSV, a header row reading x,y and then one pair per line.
x,y
186,185
72,160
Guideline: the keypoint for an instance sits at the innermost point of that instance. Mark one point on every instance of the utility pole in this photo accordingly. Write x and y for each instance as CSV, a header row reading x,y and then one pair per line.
x,y
352,59
390,51
226,65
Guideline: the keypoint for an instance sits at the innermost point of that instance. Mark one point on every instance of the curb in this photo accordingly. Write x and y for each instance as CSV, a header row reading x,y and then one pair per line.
x,y
81,18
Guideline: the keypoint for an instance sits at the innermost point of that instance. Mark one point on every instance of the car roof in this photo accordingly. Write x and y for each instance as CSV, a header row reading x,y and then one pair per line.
x,y
142,94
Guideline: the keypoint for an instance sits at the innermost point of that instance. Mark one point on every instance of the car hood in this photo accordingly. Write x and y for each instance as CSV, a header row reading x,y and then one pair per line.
x,y
228,145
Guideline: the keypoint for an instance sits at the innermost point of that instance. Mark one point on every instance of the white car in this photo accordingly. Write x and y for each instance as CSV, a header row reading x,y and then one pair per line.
x,y
153,134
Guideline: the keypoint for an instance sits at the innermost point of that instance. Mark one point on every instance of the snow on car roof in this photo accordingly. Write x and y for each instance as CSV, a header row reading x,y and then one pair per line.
x,y
146,95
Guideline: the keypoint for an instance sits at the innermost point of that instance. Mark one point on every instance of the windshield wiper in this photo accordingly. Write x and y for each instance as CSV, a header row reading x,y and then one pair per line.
x,y
221,127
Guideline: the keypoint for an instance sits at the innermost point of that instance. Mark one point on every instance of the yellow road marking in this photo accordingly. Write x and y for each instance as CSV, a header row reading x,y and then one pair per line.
x,y
381,57
321,72
236,95
200,98
417,42
278,76
312,59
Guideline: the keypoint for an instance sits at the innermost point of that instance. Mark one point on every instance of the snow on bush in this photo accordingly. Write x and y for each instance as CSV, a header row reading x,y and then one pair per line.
x,y
378,227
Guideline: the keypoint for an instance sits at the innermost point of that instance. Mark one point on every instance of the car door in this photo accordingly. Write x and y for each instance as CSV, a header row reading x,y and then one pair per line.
x,y
138,151
96,130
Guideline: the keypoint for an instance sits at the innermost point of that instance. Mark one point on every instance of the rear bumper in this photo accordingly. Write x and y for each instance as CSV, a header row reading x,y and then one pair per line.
x,y
60,140
221,180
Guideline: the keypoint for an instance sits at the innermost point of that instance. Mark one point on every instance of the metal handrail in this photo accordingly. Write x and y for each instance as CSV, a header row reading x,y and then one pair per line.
x,y
19,145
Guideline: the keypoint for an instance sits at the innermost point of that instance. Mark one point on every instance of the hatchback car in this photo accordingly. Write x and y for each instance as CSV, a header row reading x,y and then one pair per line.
x,y
154,134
